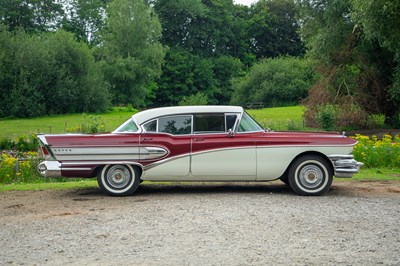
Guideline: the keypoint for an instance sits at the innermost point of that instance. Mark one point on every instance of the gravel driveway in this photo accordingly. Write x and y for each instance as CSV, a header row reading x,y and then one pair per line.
x,y
356,223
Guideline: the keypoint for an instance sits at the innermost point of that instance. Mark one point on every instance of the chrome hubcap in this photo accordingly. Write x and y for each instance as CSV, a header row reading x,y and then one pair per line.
x,y
311,176
118,176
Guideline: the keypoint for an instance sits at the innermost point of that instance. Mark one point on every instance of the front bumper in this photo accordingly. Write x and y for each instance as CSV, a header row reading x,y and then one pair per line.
x,y
345,165
50,169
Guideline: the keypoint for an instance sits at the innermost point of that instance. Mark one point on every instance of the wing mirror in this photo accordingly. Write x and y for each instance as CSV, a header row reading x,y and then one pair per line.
x,y
230,132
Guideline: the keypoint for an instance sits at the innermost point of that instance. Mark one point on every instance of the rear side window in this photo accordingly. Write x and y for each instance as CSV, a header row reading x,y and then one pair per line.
x,y
175,125
150,126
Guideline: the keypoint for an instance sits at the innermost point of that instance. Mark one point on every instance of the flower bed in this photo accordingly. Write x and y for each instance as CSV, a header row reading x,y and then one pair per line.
x,y
378,153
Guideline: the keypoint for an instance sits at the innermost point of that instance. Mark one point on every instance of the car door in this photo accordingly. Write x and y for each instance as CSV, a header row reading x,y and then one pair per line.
x,y
218,154
172,134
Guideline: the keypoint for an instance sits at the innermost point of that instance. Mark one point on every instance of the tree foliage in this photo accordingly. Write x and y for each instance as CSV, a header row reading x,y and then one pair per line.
x,y
85,19
185,74
273,29
275,82
48,74
358,59
132,53
30,15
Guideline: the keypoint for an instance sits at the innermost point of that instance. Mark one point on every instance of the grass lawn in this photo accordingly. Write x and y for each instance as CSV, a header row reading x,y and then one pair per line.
x,y
280,118
12,128
274,118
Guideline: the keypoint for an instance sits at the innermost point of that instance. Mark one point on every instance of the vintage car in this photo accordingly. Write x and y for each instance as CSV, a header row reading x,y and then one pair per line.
x,y
198,143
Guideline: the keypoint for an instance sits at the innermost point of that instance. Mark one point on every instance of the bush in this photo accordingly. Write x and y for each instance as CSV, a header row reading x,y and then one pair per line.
x,y
378,153
275,82
24,143
91,124
13,170
49,73
326,117
195,99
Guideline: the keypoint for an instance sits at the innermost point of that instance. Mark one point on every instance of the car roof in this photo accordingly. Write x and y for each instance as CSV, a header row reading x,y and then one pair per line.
x,y
149,114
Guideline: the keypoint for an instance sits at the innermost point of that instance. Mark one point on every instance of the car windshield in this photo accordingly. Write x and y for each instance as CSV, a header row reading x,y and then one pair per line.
x,y
127,126
247,124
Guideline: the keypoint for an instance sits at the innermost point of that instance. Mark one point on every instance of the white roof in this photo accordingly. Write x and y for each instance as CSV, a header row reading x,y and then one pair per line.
x,y
147,115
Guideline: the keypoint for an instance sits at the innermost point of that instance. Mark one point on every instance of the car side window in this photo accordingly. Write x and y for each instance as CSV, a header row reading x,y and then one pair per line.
x,y
247,124
208,123
176,125
150,126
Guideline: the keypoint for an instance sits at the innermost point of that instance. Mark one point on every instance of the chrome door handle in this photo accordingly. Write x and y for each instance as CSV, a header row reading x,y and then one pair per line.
x,y
147,139
198,139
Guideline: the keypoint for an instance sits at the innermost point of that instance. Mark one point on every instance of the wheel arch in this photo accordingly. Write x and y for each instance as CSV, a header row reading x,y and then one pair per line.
x,y
100,167
320,154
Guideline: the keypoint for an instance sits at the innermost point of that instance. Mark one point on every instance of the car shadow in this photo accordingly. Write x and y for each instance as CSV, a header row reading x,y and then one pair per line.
x,y
214,188
149,188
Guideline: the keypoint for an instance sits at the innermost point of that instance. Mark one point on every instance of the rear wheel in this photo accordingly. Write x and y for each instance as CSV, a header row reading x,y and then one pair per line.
x,y
119,179
310,175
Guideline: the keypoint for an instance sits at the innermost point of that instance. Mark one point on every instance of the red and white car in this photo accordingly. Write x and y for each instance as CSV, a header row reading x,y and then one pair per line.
x,y
199,143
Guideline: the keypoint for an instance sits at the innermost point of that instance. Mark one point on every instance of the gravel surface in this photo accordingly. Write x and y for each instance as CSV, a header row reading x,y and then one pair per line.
x,y
356,223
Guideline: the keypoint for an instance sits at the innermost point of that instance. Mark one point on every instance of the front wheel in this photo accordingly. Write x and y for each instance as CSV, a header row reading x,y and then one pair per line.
x,y
118,180
310,175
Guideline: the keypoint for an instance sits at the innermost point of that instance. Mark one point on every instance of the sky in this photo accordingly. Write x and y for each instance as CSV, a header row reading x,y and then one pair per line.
x,y
244,2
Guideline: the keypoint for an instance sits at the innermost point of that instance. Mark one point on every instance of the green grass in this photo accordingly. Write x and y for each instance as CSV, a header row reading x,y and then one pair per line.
x,y
280,118
372,174
12,128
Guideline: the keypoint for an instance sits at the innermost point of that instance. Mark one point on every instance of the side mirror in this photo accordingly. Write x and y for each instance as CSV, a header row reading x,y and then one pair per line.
x,y
230,132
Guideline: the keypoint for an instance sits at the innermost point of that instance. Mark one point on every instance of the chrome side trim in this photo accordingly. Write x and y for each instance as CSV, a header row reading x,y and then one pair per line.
x,y
76,169
100,163
344,165
108,153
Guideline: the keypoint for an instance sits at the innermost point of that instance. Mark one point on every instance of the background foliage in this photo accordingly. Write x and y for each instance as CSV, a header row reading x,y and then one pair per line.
x,y
72,56
281,81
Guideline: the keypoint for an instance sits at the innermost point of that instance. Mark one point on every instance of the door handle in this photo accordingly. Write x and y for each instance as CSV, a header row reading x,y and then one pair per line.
x,y
147,139
198,139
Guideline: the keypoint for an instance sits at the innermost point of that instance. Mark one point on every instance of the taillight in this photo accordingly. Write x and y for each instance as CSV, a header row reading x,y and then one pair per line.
x,y
45,152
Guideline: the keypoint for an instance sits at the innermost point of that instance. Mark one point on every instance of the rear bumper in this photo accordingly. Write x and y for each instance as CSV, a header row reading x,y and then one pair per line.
x,y
345,165
50,169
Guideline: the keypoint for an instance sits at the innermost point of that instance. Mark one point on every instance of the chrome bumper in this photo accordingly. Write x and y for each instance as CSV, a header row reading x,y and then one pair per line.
x,y
49,169
345,165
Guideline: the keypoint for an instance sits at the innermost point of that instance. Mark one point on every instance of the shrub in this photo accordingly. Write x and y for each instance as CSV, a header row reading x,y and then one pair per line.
x,y
91,124
378,153
194,99
13,170
326,117
275,82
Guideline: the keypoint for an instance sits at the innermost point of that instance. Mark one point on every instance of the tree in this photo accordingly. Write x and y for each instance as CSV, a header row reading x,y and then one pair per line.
x,y
379,21
86,19
185,74
132,52
273,29
357,66
49,73
31,15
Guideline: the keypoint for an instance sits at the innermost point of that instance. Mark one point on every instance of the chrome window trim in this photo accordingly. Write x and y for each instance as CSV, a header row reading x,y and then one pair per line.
x,y
166,116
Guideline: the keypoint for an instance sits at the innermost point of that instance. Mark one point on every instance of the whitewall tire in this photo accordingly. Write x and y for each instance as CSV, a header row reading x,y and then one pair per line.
x,y
310,175
118,179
